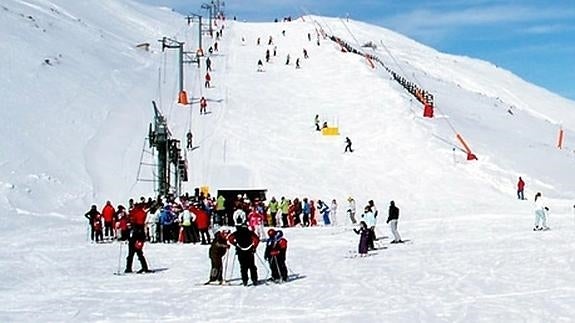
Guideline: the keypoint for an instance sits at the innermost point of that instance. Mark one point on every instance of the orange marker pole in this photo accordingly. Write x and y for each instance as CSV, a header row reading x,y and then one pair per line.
x,y
470,154
560,139
370,62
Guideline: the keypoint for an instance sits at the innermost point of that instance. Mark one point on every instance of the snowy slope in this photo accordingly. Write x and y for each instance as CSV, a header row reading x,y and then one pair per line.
x,y
76,127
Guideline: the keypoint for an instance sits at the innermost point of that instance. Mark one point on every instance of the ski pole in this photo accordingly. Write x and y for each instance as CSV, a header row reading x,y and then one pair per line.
x,y
120,258
233,264
264,264
277,265
226,265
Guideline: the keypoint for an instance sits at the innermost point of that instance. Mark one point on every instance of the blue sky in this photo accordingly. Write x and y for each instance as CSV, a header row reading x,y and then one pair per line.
x,y
534,39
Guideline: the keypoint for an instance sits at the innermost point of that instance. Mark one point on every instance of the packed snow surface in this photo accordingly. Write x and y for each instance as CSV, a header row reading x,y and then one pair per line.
x,y
76,98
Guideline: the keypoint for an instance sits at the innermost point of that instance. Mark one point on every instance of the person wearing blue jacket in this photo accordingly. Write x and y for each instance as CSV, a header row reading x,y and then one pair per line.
x,y
306,211
166,221
324,211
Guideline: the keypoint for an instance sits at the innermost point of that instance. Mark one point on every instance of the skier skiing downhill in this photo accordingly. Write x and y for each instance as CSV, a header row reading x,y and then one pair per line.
x,y
208,78
203,105
208,64
540,213
189,137
246,243
275,254
348,145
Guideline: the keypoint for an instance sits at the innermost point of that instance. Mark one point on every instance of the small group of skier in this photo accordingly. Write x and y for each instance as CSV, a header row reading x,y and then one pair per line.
x,y
368,222
245,243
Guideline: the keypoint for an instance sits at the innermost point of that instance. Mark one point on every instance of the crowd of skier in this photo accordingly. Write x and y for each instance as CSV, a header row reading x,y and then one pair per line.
x,y
189,219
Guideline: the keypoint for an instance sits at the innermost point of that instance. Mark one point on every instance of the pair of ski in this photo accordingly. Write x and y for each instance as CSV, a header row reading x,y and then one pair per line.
x,y
237,281
150,271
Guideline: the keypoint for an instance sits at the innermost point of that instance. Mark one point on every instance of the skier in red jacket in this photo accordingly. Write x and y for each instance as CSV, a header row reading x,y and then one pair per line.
x,y
203,105
208,79
137,217
108,215
275,254
203,223
520,187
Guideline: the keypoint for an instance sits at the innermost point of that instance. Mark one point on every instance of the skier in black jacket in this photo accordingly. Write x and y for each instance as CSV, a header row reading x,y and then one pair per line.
x,y
392,220
135,246
246,243
93,216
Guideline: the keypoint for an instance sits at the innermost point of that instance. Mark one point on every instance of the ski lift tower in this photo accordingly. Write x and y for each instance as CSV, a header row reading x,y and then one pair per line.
x,y
172,168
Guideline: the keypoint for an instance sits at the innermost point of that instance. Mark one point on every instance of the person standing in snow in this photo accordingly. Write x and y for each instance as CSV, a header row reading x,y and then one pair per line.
x,y
392,220
369,219
260,66
220,210
202,224
520,188
208,64
297,66
305,55
348,145
306,212
203,105
316,120
273,207
284,208
151,223
275,254
256,223
363,232
189,137
267,55
208,78
287,59
246,243
122,223
185,219
324,211
351,210
217,251
333,211
135,246
540,213
108,215
94,220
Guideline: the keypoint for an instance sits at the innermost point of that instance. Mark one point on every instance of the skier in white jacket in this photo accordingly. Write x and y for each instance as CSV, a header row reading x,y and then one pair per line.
x,y
351,210
540,213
